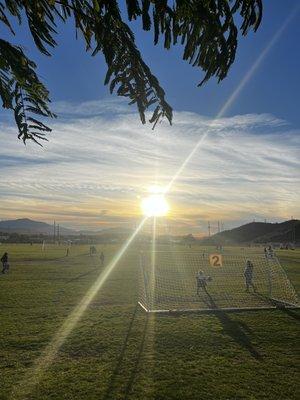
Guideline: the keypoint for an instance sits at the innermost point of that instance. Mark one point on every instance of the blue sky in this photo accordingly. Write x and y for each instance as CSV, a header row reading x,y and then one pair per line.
x,y
258,179
73,75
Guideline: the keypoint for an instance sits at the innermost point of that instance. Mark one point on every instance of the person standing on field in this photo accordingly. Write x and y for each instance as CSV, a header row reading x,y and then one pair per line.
x,y
102,258
5,265
248,274
202,281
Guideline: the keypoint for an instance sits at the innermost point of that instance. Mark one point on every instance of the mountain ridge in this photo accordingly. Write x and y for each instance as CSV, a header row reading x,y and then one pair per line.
x,y
29,226
258,232
253,232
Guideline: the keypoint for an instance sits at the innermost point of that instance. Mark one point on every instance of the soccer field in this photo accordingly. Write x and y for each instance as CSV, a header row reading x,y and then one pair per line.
x,y
117,351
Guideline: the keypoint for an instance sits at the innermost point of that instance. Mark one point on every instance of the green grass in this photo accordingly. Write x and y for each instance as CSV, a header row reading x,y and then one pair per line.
x,y
118,352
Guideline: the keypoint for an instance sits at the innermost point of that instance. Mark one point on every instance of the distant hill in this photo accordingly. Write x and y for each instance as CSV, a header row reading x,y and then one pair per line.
x,y
258,232
28,226
254,232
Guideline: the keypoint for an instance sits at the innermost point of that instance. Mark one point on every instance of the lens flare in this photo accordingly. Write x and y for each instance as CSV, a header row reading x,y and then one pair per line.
x,y
153,262
32,378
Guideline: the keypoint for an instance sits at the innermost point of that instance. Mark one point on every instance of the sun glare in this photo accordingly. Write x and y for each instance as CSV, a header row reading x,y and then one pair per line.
x,y
155,205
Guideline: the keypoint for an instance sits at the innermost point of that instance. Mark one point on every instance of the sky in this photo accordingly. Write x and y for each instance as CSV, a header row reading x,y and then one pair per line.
x,y
100,160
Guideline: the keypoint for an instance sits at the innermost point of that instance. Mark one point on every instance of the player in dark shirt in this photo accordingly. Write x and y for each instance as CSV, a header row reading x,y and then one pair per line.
x,y
5,265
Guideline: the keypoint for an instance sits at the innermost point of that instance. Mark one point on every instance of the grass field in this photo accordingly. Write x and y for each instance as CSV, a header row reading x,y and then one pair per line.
x,y
117,351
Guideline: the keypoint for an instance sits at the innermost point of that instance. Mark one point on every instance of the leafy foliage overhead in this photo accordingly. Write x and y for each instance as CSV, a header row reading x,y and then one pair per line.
x,y
206,29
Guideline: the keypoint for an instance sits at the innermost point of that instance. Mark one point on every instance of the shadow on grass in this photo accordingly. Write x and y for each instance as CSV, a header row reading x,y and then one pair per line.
x,y
82,275
109,394
289,311
293,313
237,330
136,361
38,260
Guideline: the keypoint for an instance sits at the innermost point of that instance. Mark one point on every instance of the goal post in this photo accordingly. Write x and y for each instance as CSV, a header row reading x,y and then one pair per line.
x,y
196,281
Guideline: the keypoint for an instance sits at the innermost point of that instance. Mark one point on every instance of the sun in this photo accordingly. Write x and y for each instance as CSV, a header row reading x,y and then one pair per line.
x,y
155,205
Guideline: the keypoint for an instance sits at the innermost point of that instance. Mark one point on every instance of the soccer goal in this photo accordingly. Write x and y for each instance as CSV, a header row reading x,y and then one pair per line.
x,y
191,281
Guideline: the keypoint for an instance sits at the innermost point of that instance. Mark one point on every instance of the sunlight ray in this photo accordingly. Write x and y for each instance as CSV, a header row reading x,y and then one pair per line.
x,y
34,375
234,95
150,336
153,260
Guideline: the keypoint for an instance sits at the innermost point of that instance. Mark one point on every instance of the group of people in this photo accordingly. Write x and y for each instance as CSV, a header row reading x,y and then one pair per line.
x,y
202,279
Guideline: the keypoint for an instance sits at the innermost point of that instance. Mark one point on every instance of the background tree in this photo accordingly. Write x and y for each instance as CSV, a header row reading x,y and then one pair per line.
x,y
206,29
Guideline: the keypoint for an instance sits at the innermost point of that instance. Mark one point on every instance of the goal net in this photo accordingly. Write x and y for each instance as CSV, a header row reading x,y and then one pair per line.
x,y
187,281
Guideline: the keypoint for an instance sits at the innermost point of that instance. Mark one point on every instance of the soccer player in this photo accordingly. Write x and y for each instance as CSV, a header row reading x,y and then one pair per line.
x,y
248,274
5,265
270,252
102,258
202,281
93,250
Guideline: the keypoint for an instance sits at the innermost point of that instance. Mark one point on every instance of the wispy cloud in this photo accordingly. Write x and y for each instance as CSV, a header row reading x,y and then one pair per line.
x,y
93,107
100,157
